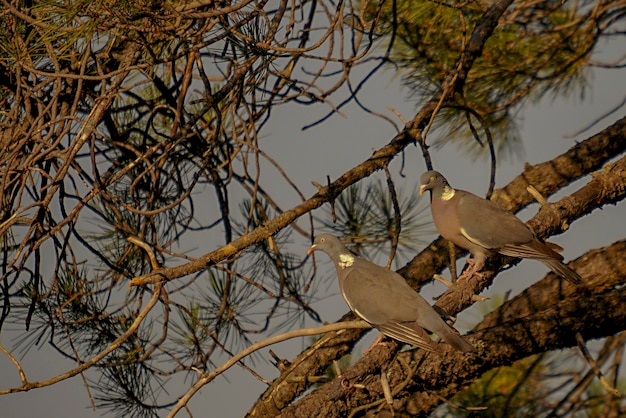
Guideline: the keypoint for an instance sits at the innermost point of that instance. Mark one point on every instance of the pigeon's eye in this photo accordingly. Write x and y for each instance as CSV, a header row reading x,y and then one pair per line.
x,y
323,239
432,178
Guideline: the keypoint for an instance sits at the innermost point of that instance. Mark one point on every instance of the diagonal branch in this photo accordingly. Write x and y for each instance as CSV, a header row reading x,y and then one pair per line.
x,y
206,378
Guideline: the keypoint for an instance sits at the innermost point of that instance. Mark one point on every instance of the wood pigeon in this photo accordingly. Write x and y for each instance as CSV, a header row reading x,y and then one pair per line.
x,y
384,299
483,228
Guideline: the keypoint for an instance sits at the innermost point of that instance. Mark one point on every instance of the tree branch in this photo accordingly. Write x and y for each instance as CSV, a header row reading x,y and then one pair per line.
x,y
545,317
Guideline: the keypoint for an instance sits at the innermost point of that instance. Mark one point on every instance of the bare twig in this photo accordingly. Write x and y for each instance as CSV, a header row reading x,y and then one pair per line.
x,y
208,377
538,196
594,366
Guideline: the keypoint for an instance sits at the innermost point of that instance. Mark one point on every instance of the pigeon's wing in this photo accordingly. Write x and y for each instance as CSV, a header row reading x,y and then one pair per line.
x,y
545,253
534,249
486,224
378,294
410,333
384,299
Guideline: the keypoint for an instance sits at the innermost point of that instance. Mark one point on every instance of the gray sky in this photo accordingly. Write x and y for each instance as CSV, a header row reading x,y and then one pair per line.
x,y
331,149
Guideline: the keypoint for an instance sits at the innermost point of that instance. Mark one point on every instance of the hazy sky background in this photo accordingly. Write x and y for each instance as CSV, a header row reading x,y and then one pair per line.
x,y
331,149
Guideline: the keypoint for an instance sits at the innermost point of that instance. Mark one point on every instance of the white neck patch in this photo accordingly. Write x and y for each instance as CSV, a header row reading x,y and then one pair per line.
x,y
345,260
448,193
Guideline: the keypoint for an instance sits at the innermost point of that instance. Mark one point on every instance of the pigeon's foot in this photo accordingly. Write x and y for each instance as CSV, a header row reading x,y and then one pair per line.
x,y
473,268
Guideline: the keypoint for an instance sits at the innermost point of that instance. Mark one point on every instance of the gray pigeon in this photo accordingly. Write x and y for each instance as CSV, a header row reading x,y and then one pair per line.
x,y
483,228
384,299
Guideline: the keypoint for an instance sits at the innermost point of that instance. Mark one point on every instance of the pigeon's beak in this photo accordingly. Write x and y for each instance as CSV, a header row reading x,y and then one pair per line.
x,y
422,189
311,249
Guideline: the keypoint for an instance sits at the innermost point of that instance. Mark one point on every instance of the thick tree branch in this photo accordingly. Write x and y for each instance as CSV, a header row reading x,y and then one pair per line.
x,y
545,317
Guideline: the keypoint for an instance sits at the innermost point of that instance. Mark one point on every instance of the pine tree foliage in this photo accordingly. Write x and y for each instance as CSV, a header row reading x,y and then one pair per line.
x,y
540,49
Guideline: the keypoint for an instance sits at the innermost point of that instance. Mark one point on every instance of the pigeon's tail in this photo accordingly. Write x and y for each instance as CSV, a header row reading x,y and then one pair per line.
x,y
452,337
546,252
562,270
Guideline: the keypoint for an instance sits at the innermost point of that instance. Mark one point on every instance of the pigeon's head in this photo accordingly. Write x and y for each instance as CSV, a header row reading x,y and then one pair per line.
x,y
432,180
328,243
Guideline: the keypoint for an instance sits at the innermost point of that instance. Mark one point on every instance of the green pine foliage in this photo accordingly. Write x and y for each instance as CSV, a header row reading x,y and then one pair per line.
x,y
364,214
540,50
